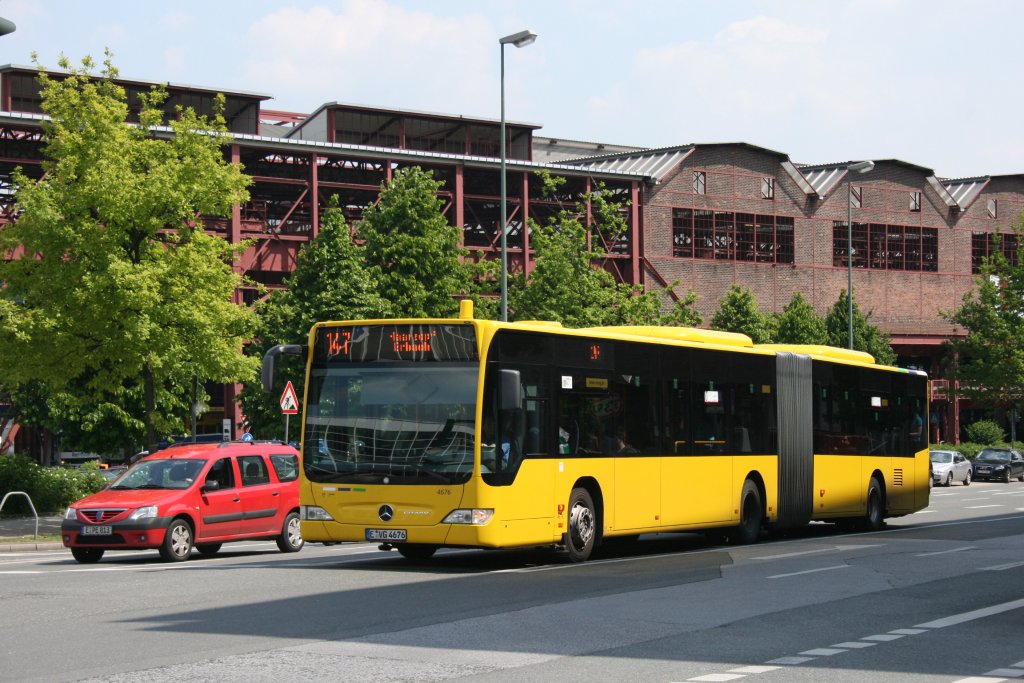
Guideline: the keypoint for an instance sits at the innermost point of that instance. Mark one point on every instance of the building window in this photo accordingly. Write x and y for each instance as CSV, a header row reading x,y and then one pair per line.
x,y
855,196
993,208
728,236
700,182
984,245
767,188
915,201
878,246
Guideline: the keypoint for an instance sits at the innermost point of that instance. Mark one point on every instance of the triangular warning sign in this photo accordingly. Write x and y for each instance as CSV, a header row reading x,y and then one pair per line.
x,y
289,401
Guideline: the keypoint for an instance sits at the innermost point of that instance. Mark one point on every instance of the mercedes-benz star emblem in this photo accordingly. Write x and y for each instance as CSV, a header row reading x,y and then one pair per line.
x,y
386,512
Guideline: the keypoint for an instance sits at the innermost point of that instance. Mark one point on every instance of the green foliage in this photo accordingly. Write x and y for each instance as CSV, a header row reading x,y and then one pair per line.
x,y
985,432
330,282
51,488
412,252
798,324
866,337
122,297
567,286
738,312
989,360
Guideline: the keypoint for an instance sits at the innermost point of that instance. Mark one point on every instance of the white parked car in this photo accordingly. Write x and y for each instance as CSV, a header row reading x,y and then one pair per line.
x,y
950,466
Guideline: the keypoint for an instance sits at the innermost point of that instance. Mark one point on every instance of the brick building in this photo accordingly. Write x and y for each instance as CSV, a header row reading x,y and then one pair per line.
x,y
705,215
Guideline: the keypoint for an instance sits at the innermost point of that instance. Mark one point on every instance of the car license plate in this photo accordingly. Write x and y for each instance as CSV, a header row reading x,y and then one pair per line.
x,y
385,534
104,530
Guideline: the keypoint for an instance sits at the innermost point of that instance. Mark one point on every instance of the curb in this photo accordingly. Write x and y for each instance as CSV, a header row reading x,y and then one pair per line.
x,y
29,547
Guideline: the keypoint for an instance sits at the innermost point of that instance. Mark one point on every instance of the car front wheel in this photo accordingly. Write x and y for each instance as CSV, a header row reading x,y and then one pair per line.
x,y
177,545
967,478
87,555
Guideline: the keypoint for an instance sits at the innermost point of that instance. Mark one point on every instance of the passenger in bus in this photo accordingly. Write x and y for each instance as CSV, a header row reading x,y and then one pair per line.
x,y
619,445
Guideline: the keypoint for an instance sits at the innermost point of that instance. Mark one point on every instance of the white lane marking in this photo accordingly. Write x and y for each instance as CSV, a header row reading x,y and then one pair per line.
x,y
790,660
924,512
853,644
1009,673
979,507
978,679
1002,567
909,631
716,677
963,617
883,637
839,548
945,552
753,669
26,571
823,651
810,571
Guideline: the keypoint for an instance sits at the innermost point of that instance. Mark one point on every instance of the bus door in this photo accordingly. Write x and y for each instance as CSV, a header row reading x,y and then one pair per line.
x,y
697,476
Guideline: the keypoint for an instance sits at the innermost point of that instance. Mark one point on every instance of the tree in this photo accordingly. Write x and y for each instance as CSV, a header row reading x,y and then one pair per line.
x,y
866,337
989,360
115,297
330,282
798,324
412,251
738,312
566,286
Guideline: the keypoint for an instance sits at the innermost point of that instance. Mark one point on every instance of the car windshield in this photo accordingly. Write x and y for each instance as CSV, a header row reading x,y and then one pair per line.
x,y
941,457
994,456
160,474
398,423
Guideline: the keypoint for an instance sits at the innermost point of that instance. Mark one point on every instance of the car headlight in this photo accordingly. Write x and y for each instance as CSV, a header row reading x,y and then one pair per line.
x,y
147,512
71,513
314,513
999,468
475,516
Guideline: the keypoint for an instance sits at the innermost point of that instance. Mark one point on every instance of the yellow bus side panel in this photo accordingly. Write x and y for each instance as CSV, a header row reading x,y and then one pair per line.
x,y
697,490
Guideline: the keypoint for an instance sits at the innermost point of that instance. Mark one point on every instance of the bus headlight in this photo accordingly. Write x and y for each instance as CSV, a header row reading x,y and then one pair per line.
x,y
476,517
314,513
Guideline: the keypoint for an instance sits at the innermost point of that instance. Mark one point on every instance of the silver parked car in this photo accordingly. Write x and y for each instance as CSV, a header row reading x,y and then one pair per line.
x,y
950,466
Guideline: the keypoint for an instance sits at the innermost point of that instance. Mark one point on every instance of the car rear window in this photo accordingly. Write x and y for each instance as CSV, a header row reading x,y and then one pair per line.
x,y
286,465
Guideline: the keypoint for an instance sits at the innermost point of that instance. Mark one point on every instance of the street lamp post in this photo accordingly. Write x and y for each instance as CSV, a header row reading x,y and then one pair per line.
x,y
855,167
521,39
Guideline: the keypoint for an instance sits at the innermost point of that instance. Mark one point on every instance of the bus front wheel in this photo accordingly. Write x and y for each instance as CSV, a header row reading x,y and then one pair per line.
x,y
751,515
582,533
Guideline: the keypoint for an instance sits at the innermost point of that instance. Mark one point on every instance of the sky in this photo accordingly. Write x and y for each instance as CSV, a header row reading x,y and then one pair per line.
x,y
935,83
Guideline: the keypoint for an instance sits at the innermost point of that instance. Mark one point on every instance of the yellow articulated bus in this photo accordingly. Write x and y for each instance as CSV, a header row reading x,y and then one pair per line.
x,y
421,434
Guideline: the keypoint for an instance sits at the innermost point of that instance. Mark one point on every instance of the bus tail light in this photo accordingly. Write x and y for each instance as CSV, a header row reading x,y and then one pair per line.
x,y
476,517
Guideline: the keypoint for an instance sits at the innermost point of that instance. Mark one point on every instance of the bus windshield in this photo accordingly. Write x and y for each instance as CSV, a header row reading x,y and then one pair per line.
x,y
391,423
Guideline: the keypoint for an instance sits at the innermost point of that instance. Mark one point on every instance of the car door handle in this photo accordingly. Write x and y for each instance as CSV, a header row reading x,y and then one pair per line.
x,y
236,499
275,493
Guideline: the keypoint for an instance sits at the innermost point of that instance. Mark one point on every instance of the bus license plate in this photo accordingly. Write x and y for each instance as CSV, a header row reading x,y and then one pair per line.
x,y
385,534
97,530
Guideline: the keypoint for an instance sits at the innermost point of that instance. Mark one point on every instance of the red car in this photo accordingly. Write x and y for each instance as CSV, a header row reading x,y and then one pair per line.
x,y
192,496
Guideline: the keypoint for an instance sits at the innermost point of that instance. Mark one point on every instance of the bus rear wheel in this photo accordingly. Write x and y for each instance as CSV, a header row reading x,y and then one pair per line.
x,y
874,514
751,515
416,551
582,532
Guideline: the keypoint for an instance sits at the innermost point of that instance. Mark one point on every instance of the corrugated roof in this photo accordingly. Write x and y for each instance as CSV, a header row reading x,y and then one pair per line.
x,y
653,163
965,190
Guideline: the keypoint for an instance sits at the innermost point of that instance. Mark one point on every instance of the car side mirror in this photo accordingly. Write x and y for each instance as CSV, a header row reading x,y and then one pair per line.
x,y
211,485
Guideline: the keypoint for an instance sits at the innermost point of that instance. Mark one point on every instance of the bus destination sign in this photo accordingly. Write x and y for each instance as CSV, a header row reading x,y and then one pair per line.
x,y
363,343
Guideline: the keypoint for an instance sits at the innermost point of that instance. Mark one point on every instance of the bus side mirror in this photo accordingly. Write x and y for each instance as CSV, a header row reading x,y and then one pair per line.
x,y
509,389
270,362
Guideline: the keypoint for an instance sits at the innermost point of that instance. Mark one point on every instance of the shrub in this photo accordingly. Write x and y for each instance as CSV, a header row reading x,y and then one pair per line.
x,y
51,488
985,432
